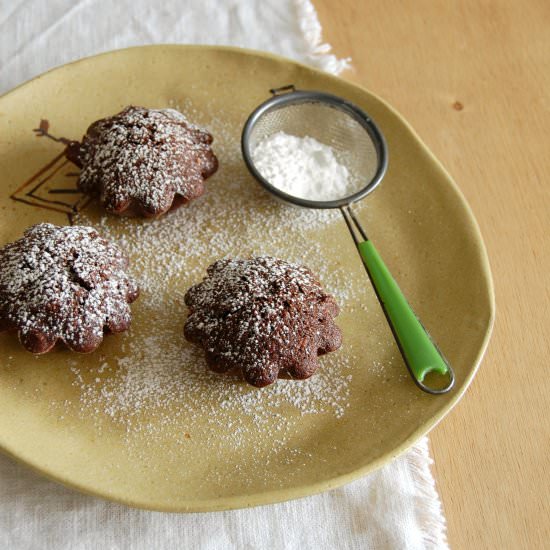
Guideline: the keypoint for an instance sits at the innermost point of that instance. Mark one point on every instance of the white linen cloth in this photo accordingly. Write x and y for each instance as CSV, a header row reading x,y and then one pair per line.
x,y
395,507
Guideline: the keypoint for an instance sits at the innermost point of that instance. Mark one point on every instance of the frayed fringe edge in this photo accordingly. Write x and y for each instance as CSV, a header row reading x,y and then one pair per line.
x,y
428,504
318,52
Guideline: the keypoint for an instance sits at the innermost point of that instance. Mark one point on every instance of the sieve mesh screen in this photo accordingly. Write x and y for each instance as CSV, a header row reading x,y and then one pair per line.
x,y
350,141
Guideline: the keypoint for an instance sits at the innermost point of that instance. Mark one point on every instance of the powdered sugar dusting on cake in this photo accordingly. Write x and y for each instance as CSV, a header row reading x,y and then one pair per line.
x,y
157,386
64,283
263,315
143,158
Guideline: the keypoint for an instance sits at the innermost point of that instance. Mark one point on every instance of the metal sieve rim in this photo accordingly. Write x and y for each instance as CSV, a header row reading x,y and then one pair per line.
x,y
299,96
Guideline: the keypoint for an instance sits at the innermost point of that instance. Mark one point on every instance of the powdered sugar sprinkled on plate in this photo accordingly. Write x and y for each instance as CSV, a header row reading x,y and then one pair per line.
x,y
159,384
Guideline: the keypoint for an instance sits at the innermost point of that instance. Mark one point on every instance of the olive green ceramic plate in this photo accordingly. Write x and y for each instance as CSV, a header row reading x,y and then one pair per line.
x,y
140,420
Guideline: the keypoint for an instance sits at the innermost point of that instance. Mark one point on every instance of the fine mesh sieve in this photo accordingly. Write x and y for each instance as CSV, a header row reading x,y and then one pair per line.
x,y
359,145
355,140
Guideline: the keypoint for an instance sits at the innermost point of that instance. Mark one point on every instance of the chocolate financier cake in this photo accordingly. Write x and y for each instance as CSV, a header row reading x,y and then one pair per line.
x,y
262,315
144,161
64,283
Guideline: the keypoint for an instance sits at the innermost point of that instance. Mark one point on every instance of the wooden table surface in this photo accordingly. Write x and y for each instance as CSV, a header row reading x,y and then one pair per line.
x,y
473,78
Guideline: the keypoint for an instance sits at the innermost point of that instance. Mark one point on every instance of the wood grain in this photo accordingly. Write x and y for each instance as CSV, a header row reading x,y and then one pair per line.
x,y
473,78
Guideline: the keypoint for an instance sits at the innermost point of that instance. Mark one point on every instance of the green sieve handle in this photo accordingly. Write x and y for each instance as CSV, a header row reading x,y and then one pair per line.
x,y
419,351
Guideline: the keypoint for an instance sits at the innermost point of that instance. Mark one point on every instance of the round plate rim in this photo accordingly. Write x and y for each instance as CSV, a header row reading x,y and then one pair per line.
x,y
281,495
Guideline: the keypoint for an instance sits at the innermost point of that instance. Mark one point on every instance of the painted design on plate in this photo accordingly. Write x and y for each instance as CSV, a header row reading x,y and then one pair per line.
x,y
53,186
